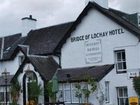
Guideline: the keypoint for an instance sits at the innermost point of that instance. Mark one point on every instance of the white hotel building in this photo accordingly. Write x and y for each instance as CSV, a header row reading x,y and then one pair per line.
x,y
102,42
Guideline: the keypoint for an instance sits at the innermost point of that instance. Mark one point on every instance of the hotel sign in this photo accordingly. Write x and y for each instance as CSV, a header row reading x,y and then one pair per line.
x,y
93,51
92,43
97,35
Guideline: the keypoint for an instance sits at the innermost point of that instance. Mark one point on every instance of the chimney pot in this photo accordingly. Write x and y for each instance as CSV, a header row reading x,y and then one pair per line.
x,y
30,16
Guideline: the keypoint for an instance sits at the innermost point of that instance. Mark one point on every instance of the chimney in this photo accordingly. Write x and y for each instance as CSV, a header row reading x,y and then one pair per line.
x,y
28,24
103,3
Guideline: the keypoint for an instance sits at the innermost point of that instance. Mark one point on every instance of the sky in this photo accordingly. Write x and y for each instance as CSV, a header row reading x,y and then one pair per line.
x,y
49,12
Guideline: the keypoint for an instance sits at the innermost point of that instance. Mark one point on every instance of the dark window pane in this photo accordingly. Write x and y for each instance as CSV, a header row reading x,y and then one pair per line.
x,y
126,101
8,96
121,101
1,97
119,56
125,92
119,66
120,92
123,56
124,65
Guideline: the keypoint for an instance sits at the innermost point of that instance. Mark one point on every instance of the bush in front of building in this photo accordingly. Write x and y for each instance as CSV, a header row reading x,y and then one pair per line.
x,y
15,91
85,91
136,84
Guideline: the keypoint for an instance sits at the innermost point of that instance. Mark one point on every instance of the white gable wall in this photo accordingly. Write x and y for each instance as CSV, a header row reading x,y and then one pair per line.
x,y
39,79
11,65
114,82
73,53
117,80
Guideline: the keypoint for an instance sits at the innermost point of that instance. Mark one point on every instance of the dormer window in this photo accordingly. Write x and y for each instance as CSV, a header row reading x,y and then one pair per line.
x,y
7,49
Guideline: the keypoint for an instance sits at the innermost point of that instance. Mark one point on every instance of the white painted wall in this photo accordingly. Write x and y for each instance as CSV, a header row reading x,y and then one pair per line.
x,y
117,80
73,53
11,65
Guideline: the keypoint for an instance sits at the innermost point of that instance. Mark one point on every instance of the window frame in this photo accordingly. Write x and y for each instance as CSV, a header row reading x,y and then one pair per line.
x,y
123,97
121,61
107,95
4,95
71,88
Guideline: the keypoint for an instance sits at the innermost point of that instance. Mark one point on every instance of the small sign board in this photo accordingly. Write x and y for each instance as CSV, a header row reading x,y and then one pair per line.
x,y
93,51
133,74
133,101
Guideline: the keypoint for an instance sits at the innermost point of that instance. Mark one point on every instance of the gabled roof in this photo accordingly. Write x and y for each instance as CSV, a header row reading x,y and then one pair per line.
x,y
132,18
78,74
46,67
113,16
43,41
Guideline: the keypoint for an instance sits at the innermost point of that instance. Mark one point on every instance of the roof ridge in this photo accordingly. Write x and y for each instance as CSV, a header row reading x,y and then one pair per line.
x,y
53,26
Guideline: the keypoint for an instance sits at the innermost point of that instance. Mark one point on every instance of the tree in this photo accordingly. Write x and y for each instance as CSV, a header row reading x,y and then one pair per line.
x,y
15,91
89,88
49,91
34,91
136,85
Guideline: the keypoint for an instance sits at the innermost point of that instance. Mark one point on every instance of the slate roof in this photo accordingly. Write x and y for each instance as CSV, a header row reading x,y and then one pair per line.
x,y
43,41
10,52
132,18
78,74
45,66
2,81
113,16
8,42
119,13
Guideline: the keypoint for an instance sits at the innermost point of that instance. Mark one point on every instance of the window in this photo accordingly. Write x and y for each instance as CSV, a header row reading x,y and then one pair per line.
x,y
120,61
3,97
107,91
73,92
67,93
60,94
122,95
